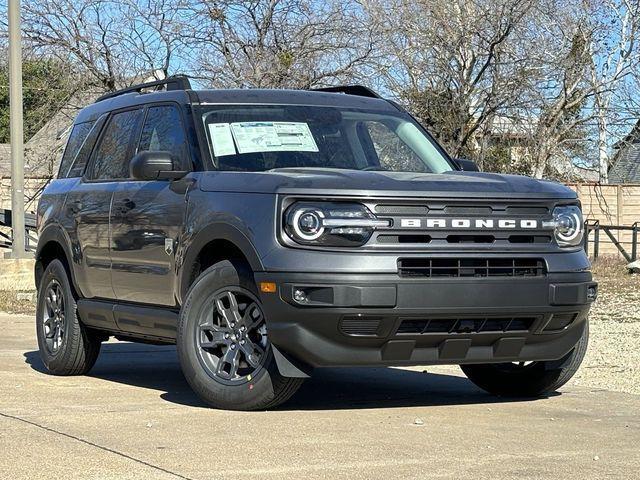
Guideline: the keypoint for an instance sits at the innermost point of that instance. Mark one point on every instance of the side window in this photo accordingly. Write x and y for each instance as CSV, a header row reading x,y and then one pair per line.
x,y
76,139
393,153
77,169
163,131
110,161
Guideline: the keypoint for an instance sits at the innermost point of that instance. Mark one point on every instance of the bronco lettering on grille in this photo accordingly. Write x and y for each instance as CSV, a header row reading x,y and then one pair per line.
x,y
471,223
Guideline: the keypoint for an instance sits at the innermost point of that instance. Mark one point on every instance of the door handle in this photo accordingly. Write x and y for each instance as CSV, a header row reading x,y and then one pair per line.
x,y
128,204
74,207
125,205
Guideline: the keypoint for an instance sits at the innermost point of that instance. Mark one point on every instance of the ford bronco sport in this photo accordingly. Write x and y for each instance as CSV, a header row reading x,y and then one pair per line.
x,y
270,232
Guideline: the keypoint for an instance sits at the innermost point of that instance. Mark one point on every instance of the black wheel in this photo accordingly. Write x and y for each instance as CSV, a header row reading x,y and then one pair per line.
x,y
66,346
223,344
528,379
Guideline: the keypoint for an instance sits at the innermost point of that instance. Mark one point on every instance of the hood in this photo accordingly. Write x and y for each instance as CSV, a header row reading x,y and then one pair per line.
x,y
329,182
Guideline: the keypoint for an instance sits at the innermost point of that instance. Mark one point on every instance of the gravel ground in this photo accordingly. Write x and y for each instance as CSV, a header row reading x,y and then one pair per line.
x,y
613,357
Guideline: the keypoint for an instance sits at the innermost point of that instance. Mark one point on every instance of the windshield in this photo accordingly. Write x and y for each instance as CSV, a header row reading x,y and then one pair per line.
x,y
265,137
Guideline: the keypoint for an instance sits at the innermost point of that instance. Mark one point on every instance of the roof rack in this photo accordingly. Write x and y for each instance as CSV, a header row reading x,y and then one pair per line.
x,y
359,90
175,82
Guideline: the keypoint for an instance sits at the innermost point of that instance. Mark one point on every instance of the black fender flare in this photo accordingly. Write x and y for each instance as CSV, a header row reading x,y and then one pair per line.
x,y
211,233
55,233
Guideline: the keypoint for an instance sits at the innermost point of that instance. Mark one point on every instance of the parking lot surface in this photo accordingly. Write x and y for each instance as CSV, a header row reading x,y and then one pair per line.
x,y
135,417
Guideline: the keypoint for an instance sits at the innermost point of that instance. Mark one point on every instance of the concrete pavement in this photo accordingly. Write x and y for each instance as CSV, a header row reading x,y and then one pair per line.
x,y
135,417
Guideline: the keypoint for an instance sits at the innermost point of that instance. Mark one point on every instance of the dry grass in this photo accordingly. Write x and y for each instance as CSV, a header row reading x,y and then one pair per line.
x,y
613,357
20,302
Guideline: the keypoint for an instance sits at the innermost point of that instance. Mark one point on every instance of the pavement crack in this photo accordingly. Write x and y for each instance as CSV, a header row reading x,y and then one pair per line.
x,y
95,445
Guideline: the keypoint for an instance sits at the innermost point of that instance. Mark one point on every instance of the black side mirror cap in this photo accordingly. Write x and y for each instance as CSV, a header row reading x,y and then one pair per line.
x,y
156,166
466,165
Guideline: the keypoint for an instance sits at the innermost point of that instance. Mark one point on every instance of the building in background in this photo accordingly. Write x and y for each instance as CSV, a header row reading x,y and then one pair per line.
x,y
625,167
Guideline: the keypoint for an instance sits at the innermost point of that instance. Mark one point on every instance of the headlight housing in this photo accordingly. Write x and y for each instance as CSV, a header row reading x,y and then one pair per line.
x,y
331,223
568,225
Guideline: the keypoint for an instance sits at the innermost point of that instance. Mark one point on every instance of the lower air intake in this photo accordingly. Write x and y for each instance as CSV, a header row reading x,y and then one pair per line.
x,y
360,325
471,267
466,325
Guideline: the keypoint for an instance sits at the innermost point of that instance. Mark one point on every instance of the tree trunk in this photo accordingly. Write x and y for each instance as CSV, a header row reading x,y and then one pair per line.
x,y
603,154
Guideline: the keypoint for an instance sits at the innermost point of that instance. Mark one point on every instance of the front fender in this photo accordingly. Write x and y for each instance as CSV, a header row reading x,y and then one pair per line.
x,y
192,247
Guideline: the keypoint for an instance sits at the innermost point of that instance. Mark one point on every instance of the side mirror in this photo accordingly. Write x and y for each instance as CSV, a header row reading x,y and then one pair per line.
x,y
156,166
467,165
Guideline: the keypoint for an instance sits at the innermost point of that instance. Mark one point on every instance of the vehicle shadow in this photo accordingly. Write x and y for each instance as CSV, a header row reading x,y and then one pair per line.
x,y
157,367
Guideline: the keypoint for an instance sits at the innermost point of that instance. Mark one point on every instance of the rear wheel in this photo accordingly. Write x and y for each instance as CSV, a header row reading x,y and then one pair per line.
x,y
223,344
66,346
528,379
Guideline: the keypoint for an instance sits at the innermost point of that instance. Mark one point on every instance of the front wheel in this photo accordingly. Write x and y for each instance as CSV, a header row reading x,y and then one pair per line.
x,y
223,345
528,379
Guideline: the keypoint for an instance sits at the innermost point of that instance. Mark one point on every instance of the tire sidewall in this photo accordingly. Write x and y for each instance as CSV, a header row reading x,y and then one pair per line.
x,y
260,389
56,271
544,378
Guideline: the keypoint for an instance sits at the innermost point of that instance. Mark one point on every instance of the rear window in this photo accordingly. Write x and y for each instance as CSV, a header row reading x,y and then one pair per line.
x,y
78,135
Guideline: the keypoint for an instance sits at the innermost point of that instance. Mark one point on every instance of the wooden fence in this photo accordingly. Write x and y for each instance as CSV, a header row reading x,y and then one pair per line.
x,y
611,205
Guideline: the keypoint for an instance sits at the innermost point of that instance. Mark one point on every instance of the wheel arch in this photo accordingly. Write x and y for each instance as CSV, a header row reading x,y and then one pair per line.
x,y
52,245
212,244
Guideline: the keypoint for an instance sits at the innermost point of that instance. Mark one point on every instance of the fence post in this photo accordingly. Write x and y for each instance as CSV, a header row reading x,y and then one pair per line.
x,y
586,237
634,242
596,239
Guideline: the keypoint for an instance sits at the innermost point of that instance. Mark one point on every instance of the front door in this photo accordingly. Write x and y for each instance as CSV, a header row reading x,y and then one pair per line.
x,y
147,218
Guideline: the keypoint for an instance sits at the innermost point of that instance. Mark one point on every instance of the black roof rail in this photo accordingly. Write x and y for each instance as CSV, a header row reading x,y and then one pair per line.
x,y
359,90
175,82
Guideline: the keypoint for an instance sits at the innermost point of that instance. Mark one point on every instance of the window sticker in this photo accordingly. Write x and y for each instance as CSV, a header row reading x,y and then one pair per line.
x,y
221,139
252,137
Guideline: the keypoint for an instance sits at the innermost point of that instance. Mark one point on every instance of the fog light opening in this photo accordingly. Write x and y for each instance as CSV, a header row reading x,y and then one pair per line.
x,y
300,296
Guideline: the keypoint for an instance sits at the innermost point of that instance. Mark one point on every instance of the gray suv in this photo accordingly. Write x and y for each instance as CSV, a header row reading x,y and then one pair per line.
x,y
270,232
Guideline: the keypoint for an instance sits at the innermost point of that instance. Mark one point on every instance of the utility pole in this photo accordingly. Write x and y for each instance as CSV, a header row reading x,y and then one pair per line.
x,y
16,128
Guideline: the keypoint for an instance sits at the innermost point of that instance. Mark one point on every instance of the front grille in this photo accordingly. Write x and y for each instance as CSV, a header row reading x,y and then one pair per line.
x,y
449,224
471,267
466,325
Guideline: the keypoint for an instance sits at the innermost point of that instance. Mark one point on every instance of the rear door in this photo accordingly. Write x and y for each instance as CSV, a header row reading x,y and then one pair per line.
x,y
147,217
88,204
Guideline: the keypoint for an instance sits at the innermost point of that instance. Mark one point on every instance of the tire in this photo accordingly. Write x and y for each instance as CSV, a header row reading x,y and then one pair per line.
x,y
66,346
533,380
244,377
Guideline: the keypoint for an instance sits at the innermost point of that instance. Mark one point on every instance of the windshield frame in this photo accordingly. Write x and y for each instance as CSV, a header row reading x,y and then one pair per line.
x,y
210,163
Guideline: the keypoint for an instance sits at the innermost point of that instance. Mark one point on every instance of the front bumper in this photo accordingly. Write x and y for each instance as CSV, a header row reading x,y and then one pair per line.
x,y
380,319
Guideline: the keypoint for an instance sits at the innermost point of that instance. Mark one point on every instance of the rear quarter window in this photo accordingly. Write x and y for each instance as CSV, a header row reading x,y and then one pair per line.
x,y
78,135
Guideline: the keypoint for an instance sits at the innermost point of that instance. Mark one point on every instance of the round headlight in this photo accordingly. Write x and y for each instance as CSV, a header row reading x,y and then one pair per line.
x,y
307,224
333,224
568,225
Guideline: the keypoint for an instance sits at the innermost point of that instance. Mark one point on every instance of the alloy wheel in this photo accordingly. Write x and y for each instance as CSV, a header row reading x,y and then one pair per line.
x,y
53,317
231,336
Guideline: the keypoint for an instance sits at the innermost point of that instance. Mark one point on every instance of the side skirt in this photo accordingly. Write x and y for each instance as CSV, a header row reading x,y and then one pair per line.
x,y
150,324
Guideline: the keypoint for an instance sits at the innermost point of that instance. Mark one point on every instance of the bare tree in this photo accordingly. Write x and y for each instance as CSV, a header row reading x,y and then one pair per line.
x,y
583,55
112,41
456,64
277,43
557,94
615,56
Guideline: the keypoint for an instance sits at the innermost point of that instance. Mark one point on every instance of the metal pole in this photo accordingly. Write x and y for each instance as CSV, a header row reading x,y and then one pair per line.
x,y
15,125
